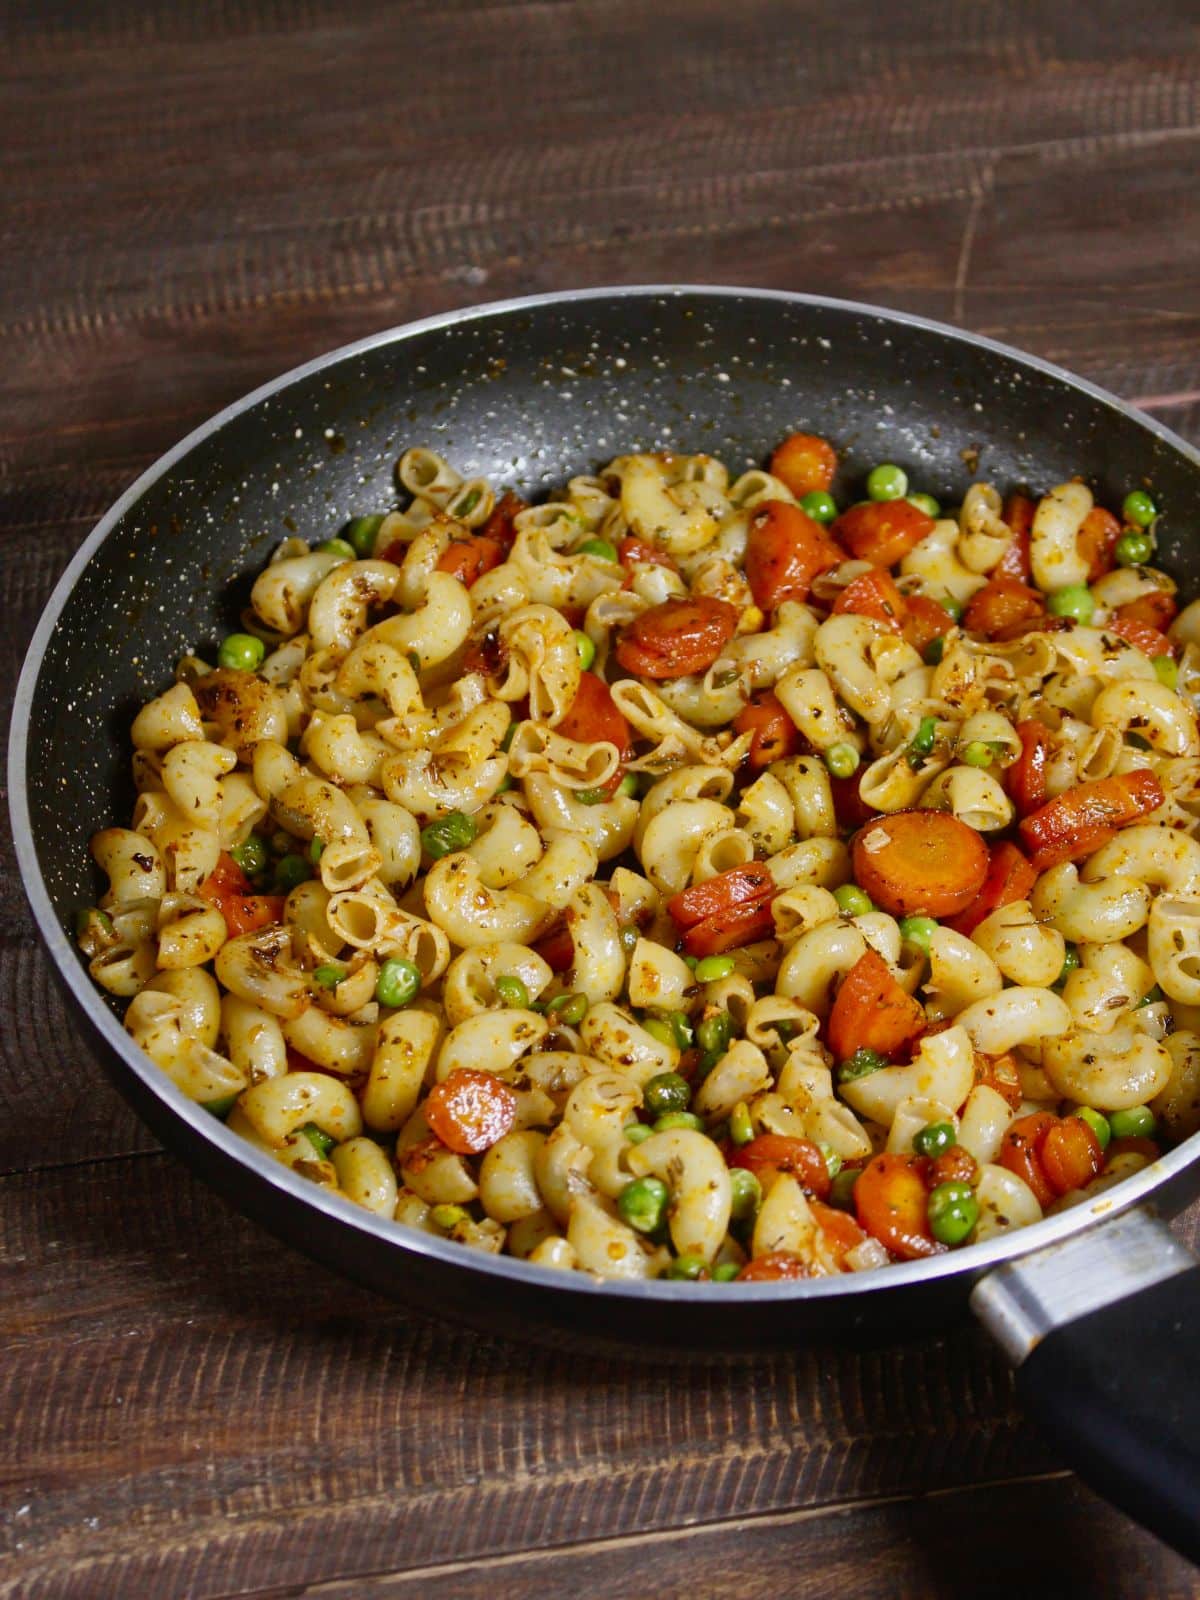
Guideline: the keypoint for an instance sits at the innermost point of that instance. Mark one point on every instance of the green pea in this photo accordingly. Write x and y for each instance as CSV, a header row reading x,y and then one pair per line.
x,y
667,1091
447,834
922,742
643,1203
585,648
1070,962
841,1191
93,924
1165,670
321,1141
713,968
241,652
328,975
1098,1123
467,504
338,547
281,842
934,1138
290,871
853,901
1152,997
714,1032
360,533
954,607
953,1212
569,1008
222,1106
659,1028
628,786
638,1132
746,1192
691,962
978,754
887,482
818,505
681,1030
679,1119
1074,601
725,1272
1138,508
1133,549
316,850
591,797
448,1217
251,855
934,652
511,991
598,547
842,760
918,931
687,1267
860,1065
629,936
1138,1122
741,1124
925,503
833,1161
399,982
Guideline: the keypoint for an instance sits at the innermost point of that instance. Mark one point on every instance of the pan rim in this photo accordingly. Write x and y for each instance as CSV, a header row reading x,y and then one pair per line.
x,y
966,1264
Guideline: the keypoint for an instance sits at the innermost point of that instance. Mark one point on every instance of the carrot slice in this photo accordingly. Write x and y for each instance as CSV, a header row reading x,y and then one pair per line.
x,y
805,463
633,552
775,1267
1156,609
1002,604
1096,541
1083,818
785,551
1026,778
1019,1152
882,531
1000,1073
920,861
677,637
891,1202
1141,636
247,913
875,595
1014,563
1070,1154
1009,877
225,879
770,1154
469,1110
842,1234
720,894
593,716
775,735
468,559
872,1012
925,621
729,930
499,526
849,806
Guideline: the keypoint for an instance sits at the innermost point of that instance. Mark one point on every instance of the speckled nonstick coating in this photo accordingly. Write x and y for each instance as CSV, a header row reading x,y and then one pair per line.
x,y
527,394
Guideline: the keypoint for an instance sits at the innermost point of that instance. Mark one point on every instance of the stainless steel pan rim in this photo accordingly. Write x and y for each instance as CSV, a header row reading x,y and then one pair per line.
x,y
966,1264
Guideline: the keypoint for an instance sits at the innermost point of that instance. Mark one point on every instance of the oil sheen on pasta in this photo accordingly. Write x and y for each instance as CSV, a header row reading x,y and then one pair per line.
x,y
684,877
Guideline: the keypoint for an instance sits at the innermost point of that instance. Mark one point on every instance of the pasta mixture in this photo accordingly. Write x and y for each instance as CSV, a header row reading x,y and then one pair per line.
x,y
684,878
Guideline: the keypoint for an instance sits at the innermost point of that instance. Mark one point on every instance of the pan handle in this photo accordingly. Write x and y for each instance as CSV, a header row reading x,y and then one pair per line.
x,y
1102,1330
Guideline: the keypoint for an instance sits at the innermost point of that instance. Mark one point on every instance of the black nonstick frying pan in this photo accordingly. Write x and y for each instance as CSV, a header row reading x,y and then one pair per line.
x,y
1097,1307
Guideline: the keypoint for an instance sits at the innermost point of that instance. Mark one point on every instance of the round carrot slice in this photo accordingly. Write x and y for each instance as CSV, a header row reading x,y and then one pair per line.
x,y
470,1110
925,862
677,637
804,462
774,1268
770,1154
892,1203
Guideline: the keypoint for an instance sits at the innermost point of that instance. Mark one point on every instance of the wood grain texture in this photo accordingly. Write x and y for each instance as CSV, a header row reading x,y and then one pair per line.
x,y
197,197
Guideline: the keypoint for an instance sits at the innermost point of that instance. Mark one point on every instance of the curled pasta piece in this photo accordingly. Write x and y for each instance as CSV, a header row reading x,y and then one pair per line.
x,y
1014,1017
961,973
658,978
604,1245
158,1023
1025,950
368,921
1173,946
1110,1071
680,518
1152,711
337,612
674,838
694,1170
612,1036
1005,1202
1103,990
942,1070
1115,907
283,591
191,774
862,660
1177,1103
974,797
365,1175
1160,858
985,536
132,865
167,720
536,748
258,967
254,1039
508,1186
499,1038
279,1106
1054,554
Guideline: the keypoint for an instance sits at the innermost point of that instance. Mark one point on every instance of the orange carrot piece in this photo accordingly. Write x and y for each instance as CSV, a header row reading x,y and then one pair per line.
x,y
1001,1074
1156,609
470,1110
925,621
1070,1154
785,551
771,1154
841,1232
1019,1152
1141,636
1009,877
468,559
871,1011
924,862
1026,777
775,735
891,1202
882,531
594,718
677,637
721,894
1001,604
775,1267
1014,563
874,595
1087,816
805,463
730,930
1096,541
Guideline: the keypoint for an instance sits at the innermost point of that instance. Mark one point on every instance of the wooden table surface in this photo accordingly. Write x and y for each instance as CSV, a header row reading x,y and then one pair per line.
x,y
198,196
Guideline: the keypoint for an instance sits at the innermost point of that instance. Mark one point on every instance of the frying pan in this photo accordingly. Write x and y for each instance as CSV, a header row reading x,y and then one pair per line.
x,y
1095,1306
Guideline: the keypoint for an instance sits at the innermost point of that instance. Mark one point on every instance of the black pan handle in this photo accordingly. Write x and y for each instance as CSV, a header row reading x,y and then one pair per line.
x,y
1103,1332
